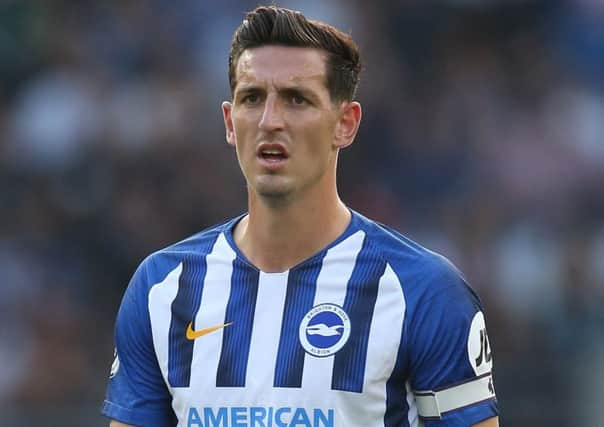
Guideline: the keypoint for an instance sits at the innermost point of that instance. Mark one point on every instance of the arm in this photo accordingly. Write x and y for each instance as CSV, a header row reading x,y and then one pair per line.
x,y
118,424
451,356
491,422
137,394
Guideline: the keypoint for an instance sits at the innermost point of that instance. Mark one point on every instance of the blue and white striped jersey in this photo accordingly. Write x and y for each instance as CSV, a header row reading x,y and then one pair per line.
x,y
374,330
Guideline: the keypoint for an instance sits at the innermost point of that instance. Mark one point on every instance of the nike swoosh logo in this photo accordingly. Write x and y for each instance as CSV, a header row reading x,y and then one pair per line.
x,y
193,335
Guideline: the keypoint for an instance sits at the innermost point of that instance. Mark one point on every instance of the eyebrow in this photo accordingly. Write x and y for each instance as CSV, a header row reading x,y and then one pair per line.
x,y
287,90
247,89
295,90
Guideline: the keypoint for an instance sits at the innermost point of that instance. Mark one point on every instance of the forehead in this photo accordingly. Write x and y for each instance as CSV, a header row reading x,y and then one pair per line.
x,y
281,65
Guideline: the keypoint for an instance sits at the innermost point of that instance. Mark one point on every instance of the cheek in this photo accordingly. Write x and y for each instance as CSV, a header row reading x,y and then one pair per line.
x,y
319,137
243,135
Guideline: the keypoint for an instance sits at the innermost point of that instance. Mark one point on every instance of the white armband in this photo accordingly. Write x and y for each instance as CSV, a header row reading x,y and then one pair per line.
x,y
435,403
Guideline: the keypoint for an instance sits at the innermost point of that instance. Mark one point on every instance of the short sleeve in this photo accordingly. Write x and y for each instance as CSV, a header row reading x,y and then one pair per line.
x,y
137,393
450,356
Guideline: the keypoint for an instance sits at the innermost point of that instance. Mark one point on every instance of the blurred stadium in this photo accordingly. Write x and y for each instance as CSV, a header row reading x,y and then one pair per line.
x,y
482,138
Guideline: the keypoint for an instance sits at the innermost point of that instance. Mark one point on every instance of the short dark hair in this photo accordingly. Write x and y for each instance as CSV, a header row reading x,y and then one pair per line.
x,y
270,25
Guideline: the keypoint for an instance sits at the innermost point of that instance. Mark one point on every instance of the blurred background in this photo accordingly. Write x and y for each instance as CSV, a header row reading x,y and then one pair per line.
x,y
482,138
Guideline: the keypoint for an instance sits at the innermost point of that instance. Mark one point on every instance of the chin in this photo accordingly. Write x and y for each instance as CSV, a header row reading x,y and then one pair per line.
x,y
273,190
273,193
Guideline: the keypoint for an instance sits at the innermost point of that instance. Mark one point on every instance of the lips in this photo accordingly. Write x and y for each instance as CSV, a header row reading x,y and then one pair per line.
x,y
272,152
272,156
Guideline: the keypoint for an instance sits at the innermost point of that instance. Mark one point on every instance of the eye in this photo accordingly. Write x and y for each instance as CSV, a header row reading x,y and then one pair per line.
x,y
250,99
298,99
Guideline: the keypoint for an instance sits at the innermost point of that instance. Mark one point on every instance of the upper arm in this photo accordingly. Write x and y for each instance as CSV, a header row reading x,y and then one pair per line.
x,y
137,393
114,423
450,358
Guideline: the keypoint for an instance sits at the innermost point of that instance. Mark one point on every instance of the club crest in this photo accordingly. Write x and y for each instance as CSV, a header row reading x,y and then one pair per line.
x,y
324,330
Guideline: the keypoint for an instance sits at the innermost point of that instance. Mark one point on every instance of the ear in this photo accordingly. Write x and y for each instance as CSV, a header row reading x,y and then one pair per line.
x,y
348,124
227,110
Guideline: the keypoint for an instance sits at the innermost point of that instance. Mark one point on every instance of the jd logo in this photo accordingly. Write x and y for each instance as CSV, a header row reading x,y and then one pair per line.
x,y
485,355
479,349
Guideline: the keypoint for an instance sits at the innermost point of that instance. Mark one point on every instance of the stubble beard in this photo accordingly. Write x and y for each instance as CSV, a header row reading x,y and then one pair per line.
x,y
281,194
273,195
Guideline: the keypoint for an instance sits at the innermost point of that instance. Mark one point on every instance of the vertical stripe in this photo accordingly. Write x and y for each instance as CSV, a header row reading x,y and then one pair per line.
x,y
184,307
268,319
301,288
383,349
337,268
361,295
212,312
236,339
161,297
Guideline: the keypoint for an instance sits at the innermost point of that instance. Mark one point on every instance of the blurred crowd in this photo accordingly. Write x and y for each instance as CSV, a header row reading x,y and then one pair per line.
x,y
482,138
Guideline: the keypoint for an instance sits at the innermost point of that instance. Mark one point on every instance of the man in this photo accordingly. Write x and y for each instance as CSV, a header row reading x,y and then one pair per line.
x,y
300,312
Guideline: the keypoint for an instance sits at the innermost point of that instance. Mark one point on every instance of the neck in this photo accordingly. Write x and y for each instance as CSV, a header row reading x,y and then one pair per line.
x,y
278,236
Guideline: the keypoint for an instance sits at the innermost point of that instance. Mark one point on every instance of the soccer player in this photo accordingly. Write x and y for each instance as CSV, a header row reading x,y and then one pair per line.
x,y
300,312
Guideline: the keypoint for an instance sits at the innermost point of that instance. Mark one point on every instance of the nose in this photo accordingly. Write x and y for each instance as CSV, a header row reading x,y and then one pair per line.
x,y
272,116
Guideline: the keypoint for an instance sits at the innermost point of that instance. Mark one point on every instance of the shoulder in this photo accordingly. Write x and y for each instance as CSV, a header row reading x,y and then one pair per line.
x,y
422,273
409,259
159,264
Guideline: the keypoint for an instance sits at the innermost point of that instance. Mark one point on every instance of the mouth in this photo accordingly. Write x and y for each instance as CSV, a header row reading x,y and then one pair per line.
x,y
272,153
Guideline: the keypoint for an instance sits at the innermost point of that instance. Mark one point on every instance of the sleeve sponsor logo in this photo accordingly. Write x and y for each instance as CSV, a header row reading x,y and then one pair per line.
x,y
479,348
115,366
